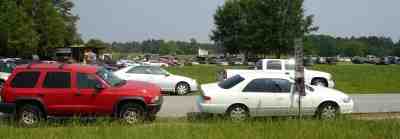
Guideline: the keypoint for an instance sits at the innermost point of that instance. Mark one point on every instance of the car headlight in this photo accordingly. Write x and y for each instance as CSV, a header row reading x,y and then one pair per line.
x,y
155,99
346,100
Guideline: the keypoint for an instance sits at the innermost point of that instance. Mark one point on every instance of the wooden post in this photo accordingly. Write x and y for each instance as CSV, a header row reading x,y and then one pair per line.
x,y
299,75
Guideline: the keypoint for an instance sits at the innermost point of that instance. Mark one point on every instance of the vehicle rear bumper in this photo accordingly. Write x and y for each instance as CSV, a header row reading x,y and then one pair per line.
x,y
8,108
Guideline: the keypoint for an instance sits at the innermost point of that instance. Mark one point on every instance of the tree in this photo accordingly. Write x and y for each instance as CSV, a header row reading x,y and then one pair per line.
x,y
18,35
260,26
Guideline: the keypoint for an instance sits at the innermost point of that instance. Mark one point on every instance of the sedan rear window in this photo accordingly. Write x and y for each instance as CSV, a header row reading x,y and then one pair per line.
x,y
231,82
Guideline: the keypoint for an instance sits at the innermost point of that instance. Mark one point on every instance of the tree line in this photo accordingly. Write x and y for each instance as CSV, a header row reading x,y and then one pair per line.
x,y
328,46
163,47
35,26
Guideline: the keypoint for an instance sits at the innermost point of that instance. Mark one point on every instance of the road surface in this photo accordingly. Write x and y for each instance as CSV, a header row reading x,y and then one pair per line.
x,y
179,106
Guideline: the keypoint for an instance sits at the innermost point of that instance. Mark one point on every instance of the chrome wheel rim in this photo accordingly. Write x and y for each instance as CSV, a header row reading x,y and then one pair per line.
x,y
328,112
238,114
29,117
182,89
131,116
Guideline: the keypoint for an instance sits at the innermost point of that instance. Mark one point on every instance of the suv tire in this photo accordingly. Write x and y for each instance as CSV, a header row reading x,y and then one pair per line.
x,y
132,113
29,115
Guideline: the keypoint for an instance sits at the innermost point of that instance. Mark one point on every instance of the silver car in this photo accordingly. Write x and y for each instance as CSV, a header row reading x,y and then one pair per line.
x,y
168,82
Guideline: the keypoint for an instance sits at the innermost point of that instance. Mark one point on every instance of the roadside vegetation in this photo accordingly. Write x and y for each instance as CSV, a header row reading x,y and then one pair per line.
x,y
182,129
348,77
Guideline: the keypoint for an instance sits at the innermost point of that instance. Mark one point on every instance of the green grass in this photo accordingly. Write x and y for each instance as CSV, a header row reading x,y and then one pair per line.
x,y
349,78
181,129
364,78
202,73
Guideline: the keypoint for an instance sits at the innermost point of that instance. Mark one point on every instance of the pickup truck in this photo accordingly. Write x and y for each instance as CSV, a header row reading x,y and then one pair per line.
x,y
284,67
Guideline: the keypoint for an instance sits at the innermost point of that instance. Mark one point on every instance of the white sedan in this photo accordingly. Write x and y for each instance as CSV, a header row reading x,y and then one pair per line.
x,y
254,95
166,81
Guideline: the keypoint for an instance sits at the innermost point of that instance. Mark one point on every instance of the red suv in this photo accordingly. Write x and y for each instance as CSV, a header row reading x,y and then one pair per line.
x,y
34,92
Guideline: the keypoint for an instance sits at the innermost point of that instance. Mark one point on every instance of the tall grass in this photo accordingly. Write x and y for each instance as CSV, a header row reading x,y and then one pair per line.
x,y
220,129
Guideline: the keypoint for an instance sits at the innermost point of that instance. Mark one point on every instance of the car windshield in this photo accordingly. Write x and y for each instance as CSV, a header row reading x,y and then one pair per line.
x,y
230,82
110,78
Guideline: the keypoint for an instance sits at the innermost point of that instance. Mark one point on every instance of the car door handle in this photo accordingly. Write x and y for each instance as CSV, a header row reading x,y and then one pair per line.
x,y
287,73
245,98
40,95
280,98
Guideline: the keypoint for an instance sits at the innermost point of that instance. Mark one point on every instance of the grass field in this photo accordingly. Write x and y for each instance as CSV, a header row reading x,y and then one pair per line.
x,y
349,78
364,78
182,129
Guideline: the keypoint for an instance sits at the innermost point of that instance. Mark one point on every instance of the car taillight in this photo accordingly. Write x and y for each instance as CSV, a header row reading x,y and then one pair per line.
x,y
206,99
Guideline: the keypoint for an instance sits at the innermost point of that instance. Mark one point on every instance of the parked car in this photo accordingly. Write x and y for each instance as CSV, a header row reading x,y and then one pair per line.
x,y
359,60
5,71
253,95
35,91
284,67
154,74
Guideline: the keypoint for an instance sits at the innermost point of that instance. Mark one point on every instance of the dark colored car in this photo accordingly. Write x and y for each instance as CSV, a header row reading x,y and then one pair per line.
x,y
34,92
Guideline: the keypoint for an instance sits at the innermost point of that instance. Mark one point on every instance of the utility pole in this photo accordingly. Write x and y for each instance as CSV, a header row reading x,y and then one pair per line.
x,y
299,66
299,75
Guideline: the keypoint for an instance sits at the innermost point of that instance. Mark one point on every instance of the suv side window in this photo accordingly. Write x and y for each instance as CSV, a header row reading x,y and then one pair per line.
x,y
57,80
139,70
274,65
86,81
25,79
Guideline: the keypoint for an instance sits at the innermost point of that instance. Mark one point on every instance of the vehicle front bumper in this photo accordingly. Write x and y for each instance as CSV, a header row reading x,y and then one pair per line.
x,y
153,109
194,86
8,108
331,84
346,108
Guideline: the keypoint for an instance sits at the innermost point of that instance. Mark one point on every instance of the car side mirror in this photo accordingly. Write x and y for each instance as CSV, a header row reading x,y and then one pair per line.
x,y
99,87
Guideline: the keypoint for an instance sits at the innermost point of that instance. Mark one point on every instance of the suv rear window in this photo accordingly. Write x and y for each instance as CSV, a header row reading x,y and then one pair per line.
x,y
25,80
57,80
231,82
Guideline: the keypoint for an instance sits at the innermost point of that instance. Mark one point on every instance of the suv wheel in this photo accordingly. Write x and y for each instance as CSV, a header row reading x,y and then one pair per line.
x,y
30,115
132,113
238,113
182,89
327,111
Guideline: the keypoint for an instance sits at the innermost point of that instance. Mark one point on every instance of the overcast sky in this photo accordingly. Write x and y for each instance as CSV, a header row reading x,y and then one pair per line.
x,y
127,20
